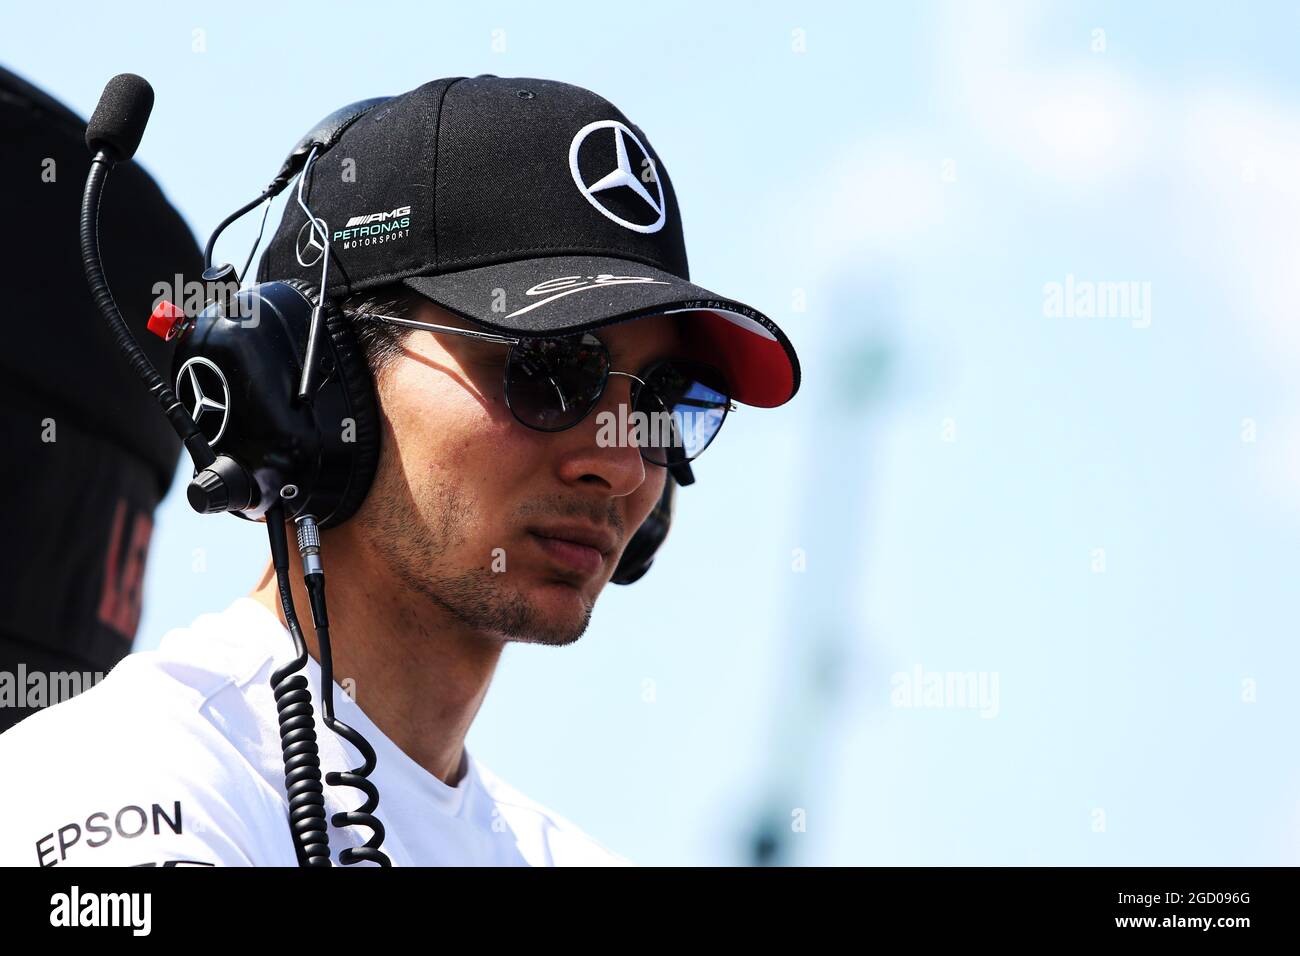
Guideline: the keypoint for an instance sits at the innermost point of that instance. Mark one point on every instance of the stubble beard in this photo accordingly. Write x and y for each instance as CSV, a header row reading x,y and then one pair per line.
x,y
417,547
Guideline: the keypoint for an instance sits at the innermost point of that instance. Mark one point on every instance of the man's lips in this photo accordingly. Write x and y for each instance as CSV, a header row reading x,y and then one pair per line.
x,y
580,547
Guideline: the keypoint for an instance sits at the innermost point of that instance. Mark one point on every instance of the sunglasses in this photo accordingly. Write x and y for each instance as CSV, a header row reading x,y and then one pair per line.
x,y
553,383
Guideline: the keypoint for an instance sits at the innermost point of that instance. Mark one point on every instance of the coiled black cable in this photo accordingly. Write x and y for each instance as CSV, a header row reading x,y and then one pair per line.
x,y
364,815
357,778
302,777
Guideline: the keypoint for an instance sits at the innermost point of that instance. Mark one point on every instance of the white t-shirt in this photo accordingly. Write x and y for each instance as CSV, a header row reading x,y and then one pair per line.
x,y
174,758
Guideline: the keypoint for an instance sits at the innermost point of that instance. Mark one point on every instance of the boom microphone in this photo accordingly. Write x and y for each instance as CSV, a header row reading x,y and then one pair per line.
x,y
114,134
118,122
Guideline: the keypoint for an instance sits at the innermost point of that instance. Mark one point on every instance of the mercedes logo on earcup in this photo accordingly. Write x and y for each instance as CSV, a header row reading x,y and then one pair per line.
x,y
202,389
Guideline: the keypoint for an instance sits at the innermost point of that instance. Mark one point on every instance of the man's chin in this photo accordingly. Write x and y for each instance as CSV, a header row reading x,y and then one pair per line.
x,y
561,611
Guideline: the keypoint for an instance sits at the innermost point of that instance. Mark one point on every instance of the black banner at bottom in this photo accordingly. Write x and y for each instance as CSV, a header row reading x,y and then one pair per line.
x,y
200,904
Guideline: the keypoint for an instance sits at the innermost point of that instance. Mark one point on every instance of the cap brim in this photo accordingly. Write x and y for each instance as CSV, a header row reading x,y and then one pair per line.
x,y
565,294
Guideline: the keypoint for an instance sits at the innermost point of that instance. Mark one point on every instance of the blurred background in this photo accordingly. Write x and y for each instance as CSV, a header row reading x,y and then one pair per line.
x,y
1013,579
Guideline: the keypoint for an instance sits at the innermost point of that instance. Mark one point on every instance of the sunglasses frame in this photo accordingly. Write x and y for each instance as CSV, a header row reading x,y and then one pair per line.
x,y
680,471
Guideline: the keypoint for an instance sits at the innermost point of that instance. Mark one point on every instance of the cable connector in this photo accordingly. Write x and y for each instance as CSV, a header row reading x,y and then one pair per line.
x,y
309,544
313,570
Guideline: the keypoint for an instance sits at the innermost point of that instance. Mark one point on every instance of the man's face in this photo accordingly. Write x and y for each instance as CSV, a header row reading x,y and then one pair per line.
x,y
478,512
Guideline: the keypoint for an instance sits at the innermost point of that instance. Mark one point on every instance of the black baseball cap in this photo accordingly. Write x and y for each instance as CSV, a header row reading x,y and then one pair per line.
x,y
528,206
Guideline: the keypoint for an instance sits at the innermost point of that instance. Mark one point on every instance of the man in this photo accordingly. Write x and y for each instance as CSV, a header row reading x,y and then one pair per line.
x,y
533,211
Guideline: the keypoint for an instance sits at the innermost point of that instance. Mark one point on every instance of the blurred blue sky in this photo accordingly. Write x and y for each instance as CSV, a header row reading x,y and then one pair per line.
x,y
1103,515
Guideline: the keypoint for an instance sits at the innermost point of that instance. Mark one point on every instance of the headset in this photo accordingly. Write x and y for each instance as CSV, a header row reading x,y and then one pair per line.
x,y
291,374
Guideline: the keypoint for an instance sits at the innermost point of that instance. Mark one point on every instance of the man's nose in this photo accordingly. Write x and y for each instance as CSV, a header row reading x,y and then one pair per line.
x,y
601,449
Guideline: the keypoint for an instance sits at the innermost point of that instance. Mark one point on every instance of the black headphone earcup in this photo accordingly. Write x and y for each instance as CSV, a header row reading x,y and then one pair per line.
x,y
646,541
354,374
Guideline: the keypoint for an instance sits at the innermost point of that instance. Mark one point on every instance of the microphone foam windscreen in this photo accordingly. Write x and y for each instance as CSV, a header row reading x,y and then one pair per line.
x,y
120,117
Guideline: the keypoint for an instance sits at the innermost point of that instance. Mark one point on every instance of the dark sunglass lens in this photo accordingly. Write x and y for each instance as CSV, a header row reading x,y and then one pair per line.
x,y
552,384
684,404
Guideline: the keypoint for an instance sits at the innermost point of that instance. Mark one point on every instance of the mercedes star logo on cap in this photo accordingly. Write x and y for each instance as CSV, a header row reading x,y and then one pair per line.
x,y
622,175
